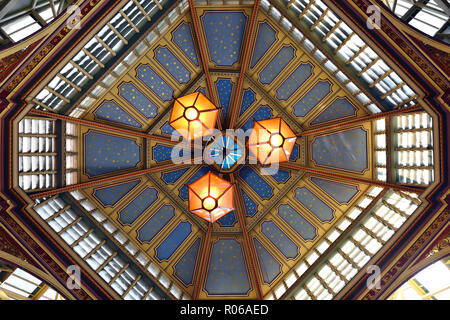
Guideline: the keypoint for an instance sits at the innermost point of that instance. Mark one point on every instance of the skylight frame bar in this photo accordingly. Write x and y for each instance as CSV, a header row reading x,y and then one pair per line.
x,y
118,34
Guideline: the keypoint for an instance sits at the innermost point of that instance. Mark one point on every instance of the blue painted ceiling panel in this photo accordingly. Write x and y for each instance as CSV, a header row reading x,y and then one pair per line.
x,y
138,205
248,99
302,226
111,111
224,89
314,204
254,180
173,240
341,192
154,82
224,33
277,64
227,272
182,37
294,81
312,98
279,239
341,108
250,205
155,224
173,176
185,267
138,100
105,153
109,196
228,220
345,150
264,40
171,63
270,267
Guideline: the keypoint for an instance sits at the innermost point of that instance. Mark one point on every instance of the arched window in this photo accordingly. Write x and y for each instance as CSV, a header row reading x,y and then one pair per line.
x,y
427,16
17,284
432,283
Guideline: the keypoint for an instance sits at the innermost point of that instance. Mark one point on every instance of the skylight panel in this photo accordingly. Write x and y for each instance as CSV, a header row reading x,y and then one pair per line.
x,y
173,15
21,28
176,292
286,24
297,34
119,69
130,59
319,56
162,26
109,80
421,23
98,91
358,63
351,87
46,14
330,66
343,225
87,102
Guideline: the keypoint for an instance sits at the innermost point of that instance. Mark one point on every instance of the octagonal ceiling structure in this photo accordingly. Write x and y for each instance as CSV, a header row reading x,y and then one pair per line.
x,y
97,163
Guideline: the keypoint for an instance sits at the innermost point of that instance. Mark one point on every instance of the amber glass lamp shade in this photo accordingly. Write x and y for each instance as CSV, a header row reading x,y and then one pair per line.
x,y
210,197
193,116
271,141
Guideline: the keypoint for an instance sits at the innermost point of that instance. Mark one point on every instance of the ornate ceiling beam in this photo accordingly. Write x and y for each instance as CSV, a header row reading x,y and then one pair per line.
x,y
372,117
249,47
249,248
97,125
348,178
389,153
202,49
106,180
201,267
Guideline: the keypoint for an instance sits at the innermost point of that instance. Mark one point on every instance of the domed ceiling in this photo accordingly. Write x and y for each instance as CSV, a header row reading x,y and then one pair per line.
x,y
279,219
284,214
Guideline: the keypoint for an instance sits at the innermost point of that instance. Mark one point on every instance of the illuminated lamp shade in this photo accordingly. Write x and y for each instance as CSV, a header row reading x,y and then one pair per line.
x,y
193,116
210,197
271,141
